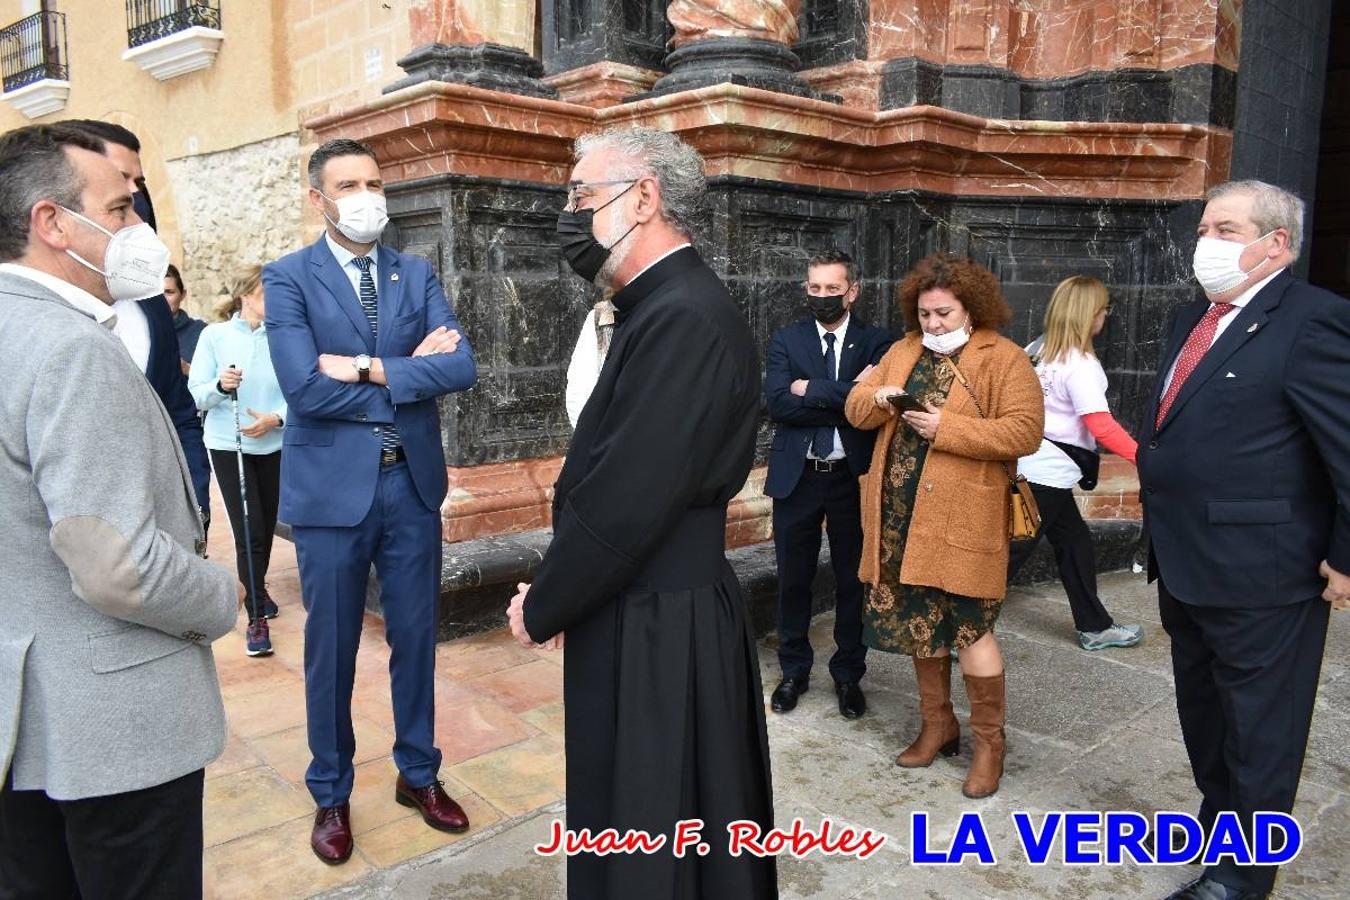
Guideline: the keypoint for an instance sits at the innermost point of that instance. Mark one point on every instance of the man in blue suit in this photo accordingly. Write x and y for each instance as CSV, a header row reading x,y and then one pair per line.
x,y
1244,466
146,326
814,466
363,342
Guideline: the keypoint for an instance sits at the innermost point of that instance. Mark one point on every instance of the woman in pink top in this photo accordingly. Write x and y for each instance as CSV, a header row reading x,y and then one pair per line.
x,y
1077,419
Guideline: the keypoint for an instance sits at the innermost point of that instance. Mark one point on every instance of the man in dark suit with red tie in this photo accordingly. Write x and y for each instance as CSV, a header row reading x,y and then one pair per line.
x,y
814,466
1244,467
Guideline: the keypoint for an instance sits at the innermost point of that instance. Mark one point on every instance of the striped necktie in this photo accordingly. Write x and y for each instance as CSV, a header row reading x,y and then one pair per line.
x,y
367,294
388,433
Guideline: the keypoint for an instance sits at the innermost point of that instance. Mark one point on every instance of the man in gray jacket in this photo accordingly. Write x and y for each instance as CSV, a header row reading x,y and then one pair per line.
x,y
109,706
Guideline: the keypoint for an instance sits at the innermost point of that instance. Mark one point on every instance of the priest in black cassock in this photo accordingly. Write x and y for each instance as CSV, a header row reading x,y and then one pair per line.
x,y
664,708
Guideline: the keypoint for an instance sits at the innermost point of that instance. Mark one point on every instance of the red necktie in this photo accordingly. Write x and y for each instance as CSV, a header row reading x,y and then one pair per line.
x,y
1197,342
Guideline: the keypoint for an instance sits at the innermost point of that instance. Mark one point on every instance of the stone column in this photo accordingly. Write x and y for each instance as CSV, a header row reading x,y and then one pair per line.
x,y
485,43
741,41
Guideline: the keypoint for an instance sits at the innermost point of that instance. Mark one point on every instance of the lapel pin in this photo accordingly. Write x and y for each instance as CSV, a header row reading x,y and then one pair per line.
x,y
393,276
1253,327
849,347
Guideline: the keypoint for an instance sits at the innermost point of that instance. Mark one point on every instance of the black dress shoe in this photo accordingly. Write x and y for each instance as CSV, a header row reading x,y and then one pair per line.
x,y
1206,888
785,696
852,704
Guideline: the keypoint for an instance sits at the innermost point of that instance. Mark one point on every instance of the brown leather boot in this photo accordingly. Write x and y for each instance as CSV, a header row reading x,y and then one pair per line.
x,y
986,722
941,733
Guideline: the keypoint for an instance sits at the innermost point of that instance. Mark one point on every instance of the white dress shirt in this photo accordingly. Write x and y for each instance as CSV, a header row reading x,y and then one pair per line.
x,y
79,298
133,330
1238,303
839,334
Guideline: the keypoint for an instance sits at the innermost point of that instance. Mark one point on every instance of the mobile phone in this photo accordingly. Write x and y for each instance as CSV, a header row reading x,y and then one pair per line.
x,y
906,403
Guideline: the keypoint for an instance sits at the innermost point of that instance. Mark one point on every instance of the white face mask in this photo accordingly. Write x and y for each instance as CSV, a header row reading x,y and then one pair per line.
x,y
1216,264
948,342
134,262
361,217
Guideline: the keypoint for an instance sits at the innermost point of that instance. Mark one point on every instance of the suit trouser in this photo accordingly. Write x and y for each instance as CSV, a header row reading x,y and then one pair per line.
x,y
262,478
138,845
831,497
402,538
1246,680
1062,524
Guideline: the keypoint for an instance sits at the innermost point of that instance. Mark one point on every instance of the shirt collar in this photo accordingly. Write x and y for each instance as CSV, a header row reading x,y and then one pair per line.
x,y
82,300
1246,296
838,332
345,256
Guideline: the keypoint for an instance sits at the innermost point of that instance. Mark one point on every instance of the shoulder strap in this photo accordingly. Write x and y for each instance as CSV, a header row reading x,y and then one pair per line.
x,y
965,383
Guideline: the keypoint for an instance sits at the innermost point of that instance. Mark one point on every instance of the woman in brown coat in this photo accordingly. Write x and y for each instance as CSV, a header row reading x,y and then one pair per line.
x,y
935,500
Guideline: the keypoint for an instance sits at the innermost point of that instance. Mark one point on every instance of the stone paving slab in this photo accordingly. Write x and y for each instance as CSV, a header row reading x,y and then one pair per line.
x,y
1091,731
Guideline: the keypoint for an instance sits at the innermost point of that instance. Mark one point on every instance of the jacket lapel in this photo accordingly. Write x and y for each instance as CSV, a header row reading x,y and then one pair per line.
x,y
390,298
1186,319
970,361
849,347
334,280
1245,325
813,350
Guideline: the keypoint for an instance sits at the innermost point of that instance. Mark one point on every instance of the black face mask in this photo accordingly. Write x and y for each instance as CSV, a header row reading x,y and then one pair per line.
x,y
140,201
827,309
577,239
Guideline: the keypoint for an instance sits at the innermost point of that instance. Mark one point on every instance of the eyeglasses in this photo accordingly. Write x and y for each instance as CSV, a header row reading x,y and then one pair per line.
x,y
1107,310
579,191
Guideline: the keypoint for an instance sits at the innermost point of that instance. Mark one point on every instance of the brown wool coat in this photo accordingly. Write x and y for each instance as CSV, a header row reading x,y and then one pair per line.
x,y
958,536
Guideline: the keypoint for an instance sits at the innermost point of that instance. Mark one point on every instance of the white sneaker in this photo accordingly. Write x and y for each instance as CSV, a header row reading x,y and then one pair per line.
x,y
1115,636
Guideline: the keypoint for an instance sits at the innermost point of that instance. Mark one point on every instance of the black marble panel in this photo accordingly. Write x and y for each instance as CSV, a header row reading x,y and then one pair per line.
x,y
578,33
1280,85
831,31
1197,93
493,244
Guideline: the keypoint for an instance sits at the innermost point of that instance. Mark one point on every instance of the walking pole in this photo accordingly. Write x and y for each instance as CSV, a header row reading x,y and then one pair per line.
x,y
256,612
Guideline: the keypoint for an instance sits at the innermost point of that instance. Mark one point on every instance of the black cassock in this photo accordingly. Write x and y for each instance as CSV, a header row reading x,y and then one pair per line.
x,y
664,708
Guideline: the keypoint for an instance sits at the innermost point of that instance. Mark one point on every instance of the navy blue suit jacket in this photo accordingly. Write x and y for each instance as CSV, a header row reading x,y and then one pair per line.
x,y
165,374
795,352
331,443
1246,483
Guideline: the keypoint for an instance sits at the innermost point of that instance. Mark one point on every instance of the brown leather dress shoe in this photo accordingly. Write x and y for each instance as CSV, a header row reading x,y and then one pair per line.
x,y
332,837
435,805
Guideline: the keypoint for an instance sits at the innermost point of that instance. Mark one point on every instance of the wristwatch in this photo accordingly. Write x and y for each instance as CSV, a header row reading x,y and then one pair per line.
x,y
362,364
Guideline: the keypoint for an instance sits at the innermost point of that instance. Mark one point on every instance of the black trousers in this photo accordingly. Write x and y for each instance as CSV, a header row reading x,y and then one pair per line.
x,y
1246,680
1063,526
832,498
140,845
262,475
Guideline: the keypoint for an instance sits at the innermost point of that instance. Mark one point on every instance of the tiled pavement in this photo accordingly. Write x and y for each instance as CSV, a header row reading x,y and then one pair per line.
x,y
1086,731
499,728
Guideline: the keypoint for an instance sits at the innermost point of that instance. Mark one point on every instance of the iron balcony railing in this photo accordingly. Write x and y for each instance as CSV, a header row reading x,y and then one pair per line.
x,y
150,20
33,49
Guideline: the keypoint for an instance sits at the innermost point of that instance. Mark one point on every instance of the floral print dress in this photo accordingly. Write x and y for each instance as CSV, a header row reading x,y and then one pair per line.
x,y
907,618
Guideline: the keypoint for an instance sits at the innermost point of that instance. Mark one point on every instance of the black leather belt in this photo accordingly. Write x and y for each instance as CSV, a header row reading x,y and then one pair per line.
x,y
390,457
824,465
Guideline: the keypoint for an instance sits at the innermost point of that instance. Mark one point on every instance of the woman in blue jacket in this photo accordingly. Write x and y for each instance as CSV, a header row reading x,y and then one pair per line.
x,y
232,356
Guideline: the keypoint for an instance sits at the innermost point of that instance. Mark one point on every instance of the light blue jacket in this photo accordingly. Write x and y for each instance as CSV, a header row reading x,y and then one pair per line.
x,y
233,343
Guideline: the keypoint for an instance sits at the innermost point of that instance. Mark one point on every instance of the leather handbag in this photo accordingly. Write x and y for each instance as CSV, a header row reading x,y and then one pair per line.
x,y
1024,516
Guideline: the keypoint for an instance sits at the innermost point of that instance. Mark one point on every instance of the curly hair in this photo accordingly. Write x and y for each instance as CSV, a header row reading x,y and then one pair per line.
x,y
975,286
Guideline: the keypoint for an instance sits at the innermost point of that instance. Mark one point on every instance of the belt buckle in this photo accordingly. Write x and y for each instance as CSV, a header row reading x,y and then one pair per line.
x,y
388,457
824,465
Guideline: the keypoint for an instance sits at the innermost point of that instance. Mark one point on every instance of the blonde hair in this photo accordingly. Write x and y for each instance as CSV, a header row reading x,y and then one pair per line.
x,y
1074,305
245,282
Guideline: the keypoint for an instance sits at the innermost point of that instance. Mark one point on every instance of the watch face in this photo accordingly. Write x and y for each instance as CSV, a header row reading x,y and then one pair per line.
x,y
362,361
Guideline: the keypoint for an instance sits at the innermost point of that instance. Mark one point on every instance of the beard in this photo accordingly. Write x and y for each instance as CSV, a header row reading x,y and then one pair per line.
x,y
614,239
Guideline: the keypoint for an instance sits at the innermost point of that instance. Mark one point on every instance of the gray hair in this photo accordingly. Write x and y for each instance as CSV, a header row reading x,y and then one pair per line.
x,y
1272,207
677,168
34,167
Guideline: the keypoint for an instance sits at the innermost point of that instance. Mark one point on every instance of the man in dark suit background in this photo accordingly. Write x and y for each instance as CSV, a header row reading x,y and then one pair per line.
x,y
814,466
363,342
146,326
1244,465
